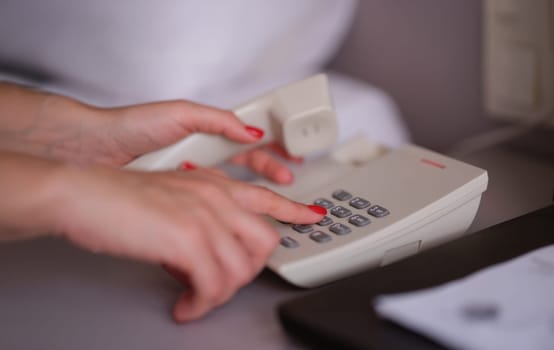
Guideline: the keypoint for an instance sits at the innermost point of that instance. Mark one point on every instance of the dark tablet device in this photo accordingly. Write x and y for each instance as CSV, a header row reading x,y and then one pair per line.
x,y
341,316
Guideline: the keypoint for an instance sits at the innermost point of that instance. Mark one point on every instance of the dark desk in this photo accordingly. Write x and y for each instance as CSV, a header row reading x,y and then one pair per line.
x,y
54,296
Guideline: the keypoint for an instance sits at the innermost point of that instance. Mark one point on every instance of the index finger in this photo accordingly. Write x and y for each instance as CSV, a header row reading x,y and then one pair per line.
x,y
201,118
261,200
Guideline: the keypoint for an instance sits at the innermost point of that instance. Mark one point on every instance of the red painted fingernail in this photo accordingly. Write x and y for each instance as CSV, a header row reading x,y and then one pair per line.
x,y
257,133
187,166
317,209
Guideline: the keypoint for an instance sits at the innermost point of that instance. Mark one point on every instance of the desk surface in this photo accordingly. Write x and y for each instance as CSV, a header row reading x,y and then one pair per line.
x,y
55,296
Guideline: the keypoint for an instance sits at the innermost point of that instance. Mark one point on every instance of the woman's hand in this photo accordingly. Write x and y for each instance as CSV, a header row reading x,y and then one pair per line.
x,y
136,130
200,223
57,127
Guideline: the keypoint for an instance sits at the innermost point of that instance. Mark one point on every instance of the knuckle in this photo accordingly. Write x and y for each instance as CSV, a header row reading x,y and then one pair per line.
x,y
227,120
209,189
242,275
271,201
271,165
193,233
261,161
185,239
213,291
265,193
273,241
269,242
230,116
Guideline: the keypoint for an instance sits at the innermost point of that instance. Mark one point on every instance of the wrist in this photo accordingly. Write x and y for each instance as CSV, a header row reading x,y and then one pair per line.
x,y
72,128
33,192
55,197
47,125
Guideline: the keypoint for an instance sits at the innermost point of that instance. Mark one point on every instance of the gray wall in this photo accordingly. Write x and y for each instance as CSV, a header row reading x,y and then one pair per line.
x,y
427,55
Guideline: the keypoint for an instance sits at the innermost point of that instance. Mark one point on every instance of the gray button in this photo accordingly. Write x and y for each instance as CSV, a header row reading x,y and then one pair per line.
x,y
302,228
359,220
288,242
325,221
320,237
359,203
340,212
378,211
325,203
341,195
340,229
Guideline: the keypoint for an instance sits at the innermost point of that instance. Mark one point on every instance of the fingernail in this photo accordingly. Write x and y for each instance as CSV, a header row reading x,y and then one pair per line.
x,y
187,166
317,209
252,130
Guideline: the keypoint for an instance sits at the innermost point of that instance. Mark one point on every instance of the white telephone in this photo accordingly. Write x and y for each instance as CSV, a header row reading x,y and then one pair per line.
x,y
384,204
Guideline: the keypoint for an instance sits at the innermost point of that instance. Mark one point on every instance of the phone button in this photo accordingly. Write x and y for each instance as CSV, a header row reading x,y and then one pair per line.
x,y
359,203
359,220
340,229
325,203
325,221
341,195
302,228
288,242
320,237
378,211
340,212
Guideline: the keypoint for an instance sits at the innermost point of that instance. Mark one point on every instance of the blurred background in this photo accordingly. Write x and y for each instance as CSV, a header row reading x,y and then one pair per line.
x,y
459,68
454,69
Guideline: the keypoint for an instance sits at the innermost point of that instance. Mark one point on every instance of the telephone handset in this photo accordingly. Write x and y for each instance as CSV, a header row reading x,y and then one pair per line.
x,y
299,116
384,203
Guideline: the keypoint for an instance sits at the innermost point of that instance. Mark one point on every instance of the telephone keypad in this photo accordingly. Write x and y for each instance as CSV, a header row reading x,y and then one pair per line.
x,y
340,212
342,220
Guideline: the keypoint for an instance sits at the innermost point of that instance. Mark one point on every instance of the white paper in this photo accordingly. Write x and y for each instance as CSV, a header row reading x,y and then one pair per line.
x,y
506,306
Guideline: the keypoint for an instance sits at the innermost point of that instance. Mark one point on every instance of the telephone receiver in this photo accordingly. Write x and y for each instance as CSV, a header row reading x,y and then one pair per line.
x,y
300,117
384,204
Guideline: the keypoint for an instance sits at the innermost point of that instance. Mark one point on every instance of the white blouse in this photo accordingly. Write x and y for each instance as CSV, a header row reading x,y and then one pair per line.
x,y
109,53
